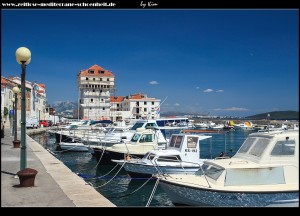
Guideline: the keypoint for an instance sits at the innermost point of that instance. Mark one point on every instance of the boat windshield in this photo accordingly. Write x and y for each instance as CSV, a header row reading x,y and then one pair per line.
x,y
254,146
137,125
135,137
212,171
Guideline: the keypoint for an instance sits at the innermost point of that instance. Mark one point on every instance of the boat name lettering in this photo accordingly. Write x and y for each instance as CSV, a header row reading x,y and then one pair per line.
x,y
190,150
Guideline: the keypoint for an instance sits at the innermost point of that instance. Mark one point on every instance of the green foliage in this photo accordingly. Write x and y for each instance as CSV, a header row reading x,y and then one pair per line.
x,y
5,111
277,115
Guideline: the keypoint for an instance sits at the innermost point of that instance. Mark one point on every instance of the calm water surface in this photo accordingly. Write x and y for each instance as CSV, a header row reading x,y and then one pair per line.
x,y
119,190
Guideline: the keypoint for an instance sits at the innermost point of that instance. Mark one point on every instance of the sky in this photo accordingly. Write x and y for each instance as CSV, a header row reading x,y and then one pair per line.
x,y
218,62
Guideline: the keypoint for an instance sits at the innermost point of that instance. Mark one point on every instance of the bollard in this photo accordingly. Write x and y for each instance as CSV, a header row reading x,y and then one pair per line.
x,y
16,143
27,177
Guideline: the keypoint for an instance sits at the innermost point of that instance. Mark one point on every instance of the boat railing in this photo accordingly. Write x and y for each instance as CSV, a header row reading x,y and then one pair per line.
x,y
155,164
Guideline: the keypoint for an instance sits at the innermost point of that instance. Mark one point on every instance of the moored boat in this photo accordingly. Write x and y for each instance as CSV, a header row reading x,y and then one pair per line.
x,y
264,172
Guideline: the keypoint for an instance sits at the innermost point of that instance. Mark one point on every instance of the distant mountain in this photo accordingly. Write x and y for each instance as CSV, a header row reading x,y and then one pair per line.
x,y
277,115
65,108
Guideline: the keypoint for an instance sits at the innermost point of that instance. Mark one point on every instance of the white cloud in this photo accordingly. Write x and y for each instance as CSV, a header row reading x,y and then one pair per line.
x,y
153,82
197,87
208,90
220,90
176,104
231,109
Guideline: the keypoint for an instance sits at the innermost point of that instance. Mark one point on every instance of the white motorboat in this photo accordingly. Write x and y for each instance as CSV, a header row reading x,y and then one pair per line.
x,y
75,146
141,142
181,156
264,172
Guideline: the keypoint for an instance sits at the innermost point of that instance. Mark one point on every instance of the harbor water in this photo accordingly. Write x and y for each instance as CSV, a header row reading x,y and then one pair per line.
x,y
112,181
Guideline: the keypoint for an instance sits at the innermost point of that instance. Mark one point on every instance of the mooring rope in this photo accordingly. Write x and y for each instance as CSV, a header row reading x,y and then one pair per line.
x,y
134,190
153,192
112,177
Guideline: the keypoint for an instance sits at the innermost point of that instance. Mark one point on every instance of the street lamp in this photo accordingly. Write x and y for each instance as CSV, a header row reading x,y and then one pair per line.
x,y
23,57
54,117
13,128
268,122
16,91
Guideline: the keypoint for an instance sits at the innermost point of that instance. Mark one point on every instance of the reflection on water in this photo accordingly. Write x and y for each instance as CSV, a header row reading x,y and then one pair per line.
x,y
121,189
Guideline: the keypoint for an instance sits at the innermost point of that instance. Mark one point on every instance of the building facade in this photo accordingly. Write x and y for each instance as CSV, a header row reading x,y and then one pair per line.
x,y
136,106
95,87
35,98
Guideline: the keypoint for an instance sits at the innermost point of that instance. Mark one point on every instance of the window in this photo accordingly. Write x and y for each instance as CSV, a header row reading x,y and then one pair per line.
x,y
135,137
94,79
212,171
91,72
152,103
145,109
175,141
192,142
145,103
86,78
283,148
246,145
100,79
102,72
107,79
92,100
259,147
93,90
103,108
174,158
147,138
10,95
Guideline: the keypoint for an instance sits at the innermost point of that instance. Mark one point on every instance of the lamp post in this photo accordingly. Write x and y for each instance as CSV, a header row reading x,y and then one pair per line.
x,y
23,57
16,90
268,122
54,117
14,116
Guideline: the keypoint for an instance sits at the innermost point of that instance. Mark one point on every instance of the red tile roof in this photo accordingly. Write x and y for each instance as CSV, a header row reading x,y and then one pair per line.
x,y
97,69
42,85
140,96
116,99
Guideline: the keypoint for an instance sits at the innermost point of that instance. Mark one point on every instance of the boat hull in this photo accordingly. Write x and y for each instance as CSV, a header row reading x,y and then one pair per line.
x,y
70,147
109,155
192,196
135,170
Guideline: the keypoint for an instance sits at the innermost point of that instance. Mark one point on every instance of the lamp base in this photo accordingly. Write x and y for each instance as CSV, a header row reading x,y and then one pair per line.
x,y
16,143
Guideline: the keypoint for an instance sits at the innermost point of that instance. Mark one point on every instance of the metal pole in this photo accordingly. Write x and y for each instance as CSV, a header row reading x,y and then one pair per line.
x,y
23,162
15,114
14,117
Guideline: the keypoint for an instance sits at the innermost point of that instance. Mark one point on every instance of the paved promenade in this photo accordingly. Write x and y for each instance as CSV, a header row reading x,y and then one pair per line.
x,y
55,184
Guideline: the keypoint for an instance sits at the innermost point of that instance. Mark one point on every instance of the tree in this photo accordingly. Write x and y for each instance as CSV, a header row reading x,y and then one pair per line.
x,y
5,111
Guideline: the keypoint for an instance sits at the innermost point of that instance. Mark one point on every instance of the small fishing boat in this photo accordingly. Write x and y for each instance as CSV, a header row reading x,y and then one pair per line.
x,y
181,156
264,172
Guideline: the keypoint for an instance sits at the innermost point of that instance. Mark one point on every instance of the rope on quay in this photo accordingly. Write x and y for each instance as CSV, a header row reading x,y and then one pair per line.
x,y
153,192
112,177
134,190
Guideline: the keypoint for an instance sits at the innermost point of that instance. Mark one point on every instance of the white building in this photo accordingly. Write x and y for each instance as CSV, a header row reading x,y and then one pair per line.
x,y
137,106
35,97
95,87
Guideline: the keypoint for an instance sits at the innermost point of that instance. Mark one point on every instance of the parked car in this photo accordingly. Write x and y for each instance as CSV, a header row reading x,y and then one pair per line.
x,y
32,123
44,123
50,123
